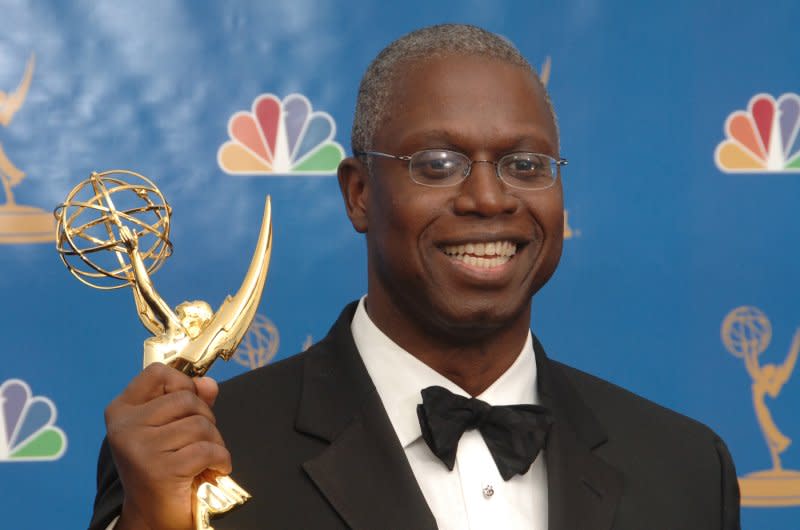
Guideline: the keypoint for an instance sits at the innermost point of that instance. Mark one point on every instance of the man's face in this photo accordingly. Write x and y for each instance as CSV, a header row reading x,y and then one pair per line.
x,y
419,238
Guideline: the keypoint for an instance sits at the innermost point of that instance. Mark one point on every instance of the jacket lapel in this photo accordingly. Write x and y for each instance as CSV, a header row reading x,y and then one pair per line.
x,y
363,473
583,490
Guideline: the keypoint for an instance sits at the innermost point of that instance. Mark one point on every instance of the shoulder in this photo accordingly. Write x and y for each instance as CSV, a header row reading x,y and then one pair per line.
x,y
262,379
273,384
621,411
283,379
666,458
658,450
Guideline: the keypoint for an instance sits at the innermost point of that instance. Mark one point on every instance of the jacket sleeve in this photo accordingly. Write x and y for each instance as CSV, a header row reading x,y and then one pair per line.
x,y
108,500
729,489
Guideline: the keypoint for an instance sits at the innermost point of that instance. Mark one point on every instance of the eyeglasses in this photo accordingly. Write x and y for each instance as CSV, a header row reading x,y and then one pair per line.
x,y
442,167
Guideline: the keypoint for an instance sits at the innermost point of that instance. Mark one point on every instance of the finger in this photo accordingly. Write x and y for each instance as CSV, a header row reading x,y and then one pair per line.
x,y
199,456
207,389
154,381
186,431
172,407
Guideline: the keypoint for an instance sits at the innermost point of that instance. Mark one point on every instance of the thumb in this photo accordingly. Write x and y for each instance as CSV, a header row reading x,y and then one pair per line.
x,y
207,389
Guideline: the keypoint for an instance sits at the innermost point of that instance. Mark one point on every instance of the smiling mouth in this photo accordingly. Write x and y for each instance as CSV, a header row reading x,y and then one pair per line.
x,y
482,254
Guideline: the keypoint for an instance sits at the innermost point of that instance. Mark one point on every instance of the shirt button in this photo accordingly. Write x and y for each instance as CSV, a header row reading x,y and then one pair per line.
x,y
488,491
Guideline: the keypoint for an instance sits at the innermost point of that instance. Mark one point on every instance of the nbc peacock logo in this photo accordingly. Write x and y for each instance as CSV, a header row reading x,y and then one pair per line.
x,y
27,425
280,138
763,138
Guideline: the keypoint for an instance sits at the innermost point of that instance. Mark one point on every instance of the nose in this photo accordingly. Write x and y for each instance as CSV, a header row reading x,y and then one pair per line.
x,y
483,193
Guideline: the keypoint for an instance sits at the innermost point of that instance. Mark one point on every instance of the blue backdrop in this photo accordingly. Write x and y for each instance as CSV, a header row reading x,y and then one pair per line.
x,y
666,240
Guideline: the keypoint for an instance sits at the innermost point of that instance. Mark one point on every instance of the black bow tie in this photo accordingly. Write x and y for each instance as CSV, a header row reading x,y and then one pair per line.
x,y
514,434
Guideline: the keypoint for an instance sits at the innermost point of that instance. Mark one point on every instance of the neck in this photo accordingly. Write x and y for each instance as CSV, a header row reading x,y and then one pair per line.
x,y
471,355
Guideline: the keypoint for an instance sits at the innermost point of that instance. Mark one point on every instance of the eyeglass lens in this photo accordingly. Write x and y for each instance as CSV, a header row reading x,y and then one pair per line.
x,y
440,167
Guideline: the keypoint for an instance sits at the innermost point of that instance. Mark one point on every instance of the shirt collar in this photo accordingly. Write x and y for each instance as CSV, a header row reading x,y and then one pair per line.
x,y
399,377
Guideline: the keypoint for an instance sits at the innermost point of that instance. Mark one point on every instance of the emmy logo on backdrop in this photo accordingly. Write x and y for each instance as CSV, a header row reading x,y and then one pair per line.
x,y
113,232
260,344
544,76
569,232
19,223
746,333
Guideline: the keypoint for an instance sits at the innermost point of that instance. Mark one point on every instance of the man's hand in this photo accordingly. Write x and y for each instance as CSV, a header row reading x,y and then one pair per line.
x,y
162,434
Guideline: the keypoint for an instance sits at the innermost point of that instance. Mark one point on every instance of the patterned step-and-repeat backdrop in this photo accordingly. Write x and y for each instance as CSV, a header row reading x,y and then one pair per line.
x,y
680,272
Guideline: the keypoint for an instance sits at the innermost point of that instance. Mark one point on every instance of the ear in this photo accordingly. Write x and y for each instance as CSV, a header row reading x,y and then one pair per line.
x,y
354,184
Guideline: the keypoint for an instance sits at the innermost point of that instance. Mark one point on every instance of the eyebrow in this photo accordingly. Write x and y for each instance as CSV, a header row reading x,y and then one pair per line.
x,y
445,139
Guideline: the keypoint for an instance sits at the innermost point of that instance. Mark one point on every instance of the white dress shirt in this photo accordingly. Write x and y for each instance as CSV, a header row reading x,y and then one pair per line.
x,y
474,495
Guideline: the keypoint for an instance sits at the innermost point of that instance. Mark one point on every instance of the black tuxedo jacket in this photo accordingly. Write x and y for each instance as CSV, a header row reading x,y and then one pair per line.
x,y
311,441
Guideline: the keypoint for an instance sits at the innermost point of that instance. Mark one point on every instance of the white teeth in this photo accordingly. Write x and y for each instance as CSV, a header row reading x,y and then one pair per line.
x,y
491,250
484,255
485,263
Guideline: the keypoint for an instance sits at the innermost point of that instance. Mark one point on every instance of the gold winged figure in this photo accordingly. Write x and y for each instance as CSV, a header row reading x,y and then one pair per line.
x,y
10,103
19,223
768,379
192,337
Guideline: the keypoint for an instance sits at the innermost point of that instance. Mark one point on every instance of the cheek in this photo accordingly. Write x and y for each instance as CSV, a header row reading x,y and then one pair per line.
x,y
548,210
392,232
549,214
403,214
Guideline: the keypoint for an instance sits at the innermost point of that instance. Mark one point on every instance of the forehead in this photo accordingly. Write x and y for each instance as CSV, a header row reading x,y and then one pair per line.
x,y
469,103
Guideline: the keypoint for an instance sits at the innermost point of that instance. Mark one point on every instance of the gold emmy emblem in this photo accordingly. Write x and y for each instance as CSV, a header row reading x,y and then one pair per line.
x,y
544,77
113,231
544,74
569,232
259,345
19,223
746,333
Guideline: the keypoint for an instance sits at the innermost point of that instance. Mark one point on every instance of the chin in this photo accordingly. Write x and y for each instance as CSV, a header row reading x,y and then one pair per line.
x,y
474,318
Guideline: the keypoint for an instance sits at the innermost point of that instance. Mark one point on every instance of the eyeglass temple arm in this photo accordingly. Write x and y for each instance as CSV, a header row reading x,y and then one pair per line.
x,y
357,152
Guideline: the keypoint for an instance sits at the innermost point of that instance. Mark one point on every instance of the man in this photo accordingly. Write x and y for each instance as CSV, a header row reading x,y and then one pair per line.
x,y
455,184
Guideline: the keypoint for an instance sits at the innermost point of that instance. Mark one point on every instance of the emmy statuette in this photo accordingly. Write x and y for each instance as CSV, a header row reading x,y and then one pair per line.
x,y
746,333
112,231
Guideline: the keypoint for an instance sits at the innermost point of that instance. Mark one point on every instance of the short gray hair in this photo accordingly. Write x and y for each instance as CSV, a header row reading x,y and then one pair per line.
x,y
374,92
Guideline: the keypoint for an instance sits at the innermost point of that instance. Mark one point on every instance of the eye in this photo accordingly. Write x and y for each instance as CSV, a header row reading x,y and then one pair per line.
x,y
440,164
436,165
522,165
527,167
